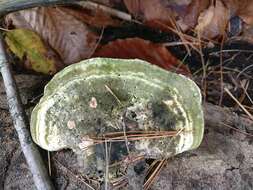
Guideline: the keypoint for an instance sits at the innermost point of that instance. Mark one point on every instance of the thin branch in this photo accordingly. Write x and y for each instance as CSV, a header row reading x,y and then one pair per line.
x,y
114,12
73,175
154,172
31,153
49,163
243,108
106,166
112,93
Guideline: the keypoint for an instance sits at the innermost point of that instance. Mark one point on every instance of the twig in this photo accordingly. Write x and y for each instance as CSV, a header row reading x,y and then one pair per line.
x,y
31,153
238,130
168,44
49,163
95,6
246,68
112,93
154,173
106,166
98,42
4,29
232,51
243,108
72,174
245,90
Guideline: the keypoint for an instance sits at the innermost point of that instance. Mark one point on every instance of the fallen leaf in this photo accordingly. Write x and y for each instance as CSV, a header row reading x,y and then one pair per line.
x,y
205,19
97,18
213,21
246,11
236,6
27,45
68,36
247,35
191,12
142,49
151,11
163,14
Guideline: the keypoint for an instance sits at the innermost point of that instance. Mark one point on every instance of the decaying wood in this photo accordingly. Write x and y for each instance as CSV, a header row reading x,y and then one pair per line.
x,y
31,153
216,116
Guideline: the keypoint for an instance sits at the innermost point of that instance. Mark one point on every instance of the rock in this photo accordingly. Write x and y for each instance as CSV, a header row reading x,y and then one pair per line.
x,y
222,162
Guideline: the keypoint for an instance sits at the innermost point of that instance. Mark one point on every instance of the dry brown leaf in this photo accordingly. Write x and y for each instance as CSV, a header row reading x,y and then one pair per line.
x,y
68,36
208,17
246,12
192,12
236,6
205,19
162,13
247,35
150,11
241,8
213,21
96,18
142,49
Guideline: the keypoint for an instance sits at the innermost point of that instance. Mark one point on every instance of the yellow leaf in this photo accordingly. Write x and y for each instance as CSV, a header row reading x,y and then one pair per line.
x,y
27,45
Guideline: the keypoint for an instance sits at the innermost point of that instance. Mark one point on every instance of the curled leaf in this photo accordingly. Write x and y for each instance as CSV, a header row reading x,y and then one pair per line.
x,y
213,21
189,13
142,49
27,45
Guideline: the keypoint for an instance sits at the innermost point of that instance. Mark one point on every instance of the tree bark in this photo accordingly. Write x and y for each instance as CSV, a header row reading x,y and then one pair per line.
x,y
31,153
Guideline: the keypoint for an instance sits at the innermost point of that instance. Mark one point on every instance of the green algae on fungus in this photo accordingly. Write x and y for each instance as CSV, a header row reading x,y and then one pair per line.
x,y
135,108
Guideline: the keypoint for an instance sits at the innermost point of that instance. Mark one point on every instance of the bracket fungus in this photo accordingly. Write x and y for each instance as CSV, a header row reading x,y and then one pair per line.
x,y
107,110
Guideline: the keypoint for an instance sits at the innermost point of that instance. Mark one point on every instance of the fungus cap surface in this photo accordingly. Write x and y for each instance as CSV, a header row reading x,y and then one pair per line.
x,y
104,99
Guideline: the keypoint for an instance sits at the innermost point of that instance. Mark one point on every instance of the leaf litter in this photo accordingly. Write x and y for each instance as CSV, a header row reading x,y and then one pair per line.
x,y
69,37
